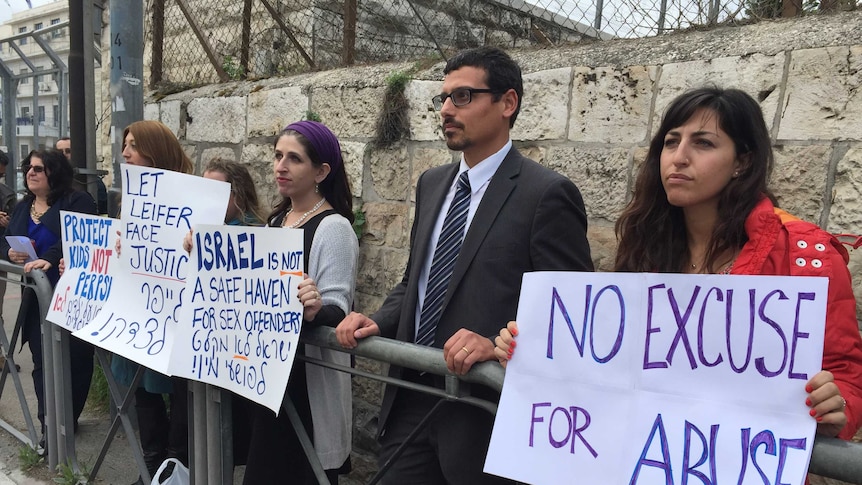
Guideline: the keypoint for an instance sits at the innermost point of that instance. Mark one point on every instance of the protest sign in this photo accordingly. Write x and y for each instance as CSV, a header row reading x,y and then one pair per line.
x,y
159,207
240,311
88,247
660,379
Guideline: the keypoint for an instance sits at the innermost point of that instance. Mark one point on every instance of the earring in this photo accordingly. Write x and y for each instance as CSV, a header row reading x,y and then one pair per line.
x,y
316,188
735,173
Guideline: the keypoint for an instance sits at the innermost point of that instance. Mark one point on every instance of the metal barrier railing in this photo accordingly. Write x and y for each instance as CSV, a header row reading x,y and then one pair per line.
x,y
831,457
210,406
57,392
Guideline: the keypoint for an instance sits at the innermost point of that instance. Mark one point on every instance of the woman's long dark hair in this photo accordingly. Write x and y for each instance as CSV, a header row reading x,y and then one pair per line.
x,y
335,187
58,170
651,232
242,187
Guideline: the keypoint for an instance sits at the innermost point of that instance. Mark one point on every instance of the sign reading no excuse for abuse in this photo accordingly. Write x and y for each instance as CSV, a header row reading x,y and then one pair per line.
x,y
241,317
660,379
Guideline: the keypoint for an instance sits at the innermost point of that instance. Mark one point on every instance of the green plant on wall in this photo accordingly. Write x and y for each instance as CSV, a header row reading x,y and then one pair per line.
x,y
359,222
393,123
312,116
232,68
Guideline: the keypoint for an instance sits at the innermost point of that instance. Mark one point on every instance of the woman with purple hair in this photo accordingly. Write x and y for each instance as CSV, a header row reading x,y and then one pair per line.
x,y
309,171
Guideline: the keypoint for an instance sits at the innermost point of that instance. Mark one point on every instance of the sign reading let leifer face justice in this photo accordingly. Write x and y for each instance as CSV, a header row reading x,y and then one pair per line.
x,y
141,314
660,379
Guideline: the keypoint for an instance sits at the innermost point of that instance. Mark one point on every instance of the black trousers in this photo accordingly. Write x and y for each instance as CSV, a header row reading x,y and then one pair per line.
x,y
80,354
450,449
275,455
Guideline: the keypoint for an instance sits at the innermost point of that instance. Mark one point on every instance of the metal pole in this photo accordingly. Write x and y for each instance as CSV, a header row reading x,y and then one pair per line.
x,y
600,5
82,99
127,73
10,138
661,16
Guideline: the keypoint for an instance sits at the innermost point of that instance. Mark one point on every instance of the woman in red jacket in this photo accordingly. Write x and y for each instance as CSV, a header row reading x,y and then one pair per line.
x,y
701,205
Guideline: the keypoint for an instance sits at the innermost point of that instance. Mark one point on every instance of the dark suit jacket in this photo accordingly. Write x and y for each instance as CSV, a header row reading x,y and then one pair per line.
x,y
530,219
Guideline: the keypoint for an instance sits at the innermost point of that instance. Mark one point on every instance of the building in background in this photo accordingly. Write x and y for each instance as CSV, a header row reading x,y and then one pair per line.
x,y
41,103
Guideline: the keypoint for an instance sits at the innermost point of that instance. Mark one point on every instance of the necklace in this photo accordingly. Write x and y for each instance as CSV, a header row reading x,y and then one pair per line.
x,y
36,215
304,216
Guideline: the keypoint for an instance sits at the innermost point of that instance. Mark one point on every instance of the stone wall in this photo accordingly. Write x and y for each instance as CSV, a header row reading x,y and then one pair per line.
x,y
588,112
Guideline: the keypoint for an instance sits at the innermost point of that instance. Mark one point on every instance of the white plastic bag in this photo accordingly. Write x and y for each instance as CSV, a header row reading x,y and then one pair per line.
x,y
180,475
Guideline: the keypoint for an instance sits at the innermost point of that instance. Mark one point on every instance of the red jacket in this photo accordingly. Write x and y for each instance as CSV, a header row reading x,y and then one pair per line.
x,y
780,244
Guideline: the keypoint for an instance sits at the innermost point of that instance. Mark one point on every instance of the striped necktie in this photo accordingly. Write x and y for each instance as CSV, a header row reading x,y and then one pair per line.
x,y
445,254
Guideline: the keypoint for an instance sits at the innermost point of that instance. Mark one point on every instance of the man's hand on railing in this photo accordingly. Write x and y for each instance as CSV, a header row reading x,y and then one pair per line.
x,y
355,326
464,349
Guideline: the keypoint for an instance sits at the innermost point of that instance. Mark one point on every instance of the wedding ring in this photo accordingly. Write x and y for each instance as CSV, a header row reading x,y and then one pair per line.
x,y
843,403
465,350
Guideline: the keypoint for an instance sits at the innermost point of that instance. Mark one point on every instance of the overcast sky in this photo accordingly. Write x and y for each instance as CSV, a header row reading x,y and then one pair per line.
x,y
8,7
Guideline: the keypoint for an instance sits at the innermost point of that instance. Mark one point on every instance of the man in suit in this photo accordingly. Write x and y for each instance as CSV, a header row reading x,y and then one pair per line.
x,y
64,144
521,217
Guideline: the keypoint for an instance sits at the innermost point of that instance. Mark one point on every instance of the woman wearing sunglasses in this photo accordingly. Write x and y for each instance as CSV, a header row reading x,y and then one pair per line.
x,y
48,179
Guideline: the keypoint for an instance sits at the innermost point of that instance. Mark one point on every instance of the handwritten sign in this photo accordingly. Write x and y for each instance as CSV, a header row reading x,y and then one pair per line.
x,y
159,207
241,317
88,247
660,379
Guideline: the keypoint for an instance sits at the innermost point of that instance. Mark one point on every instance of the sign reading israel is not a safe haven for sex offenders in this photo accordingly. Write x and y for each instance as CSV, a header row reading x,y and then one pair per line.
x,y
660,379
88,247
159,207
241,316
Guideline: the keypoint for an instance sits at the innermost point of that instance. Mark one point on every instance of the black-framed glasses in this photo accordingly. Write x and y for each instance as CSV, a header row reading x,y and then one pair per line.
x,y
459,97
36,168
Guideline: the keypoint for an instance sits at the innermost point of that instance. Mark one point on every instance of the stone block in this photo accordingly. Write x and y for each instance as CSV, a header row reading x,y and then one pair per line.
x,y
387,224
757,74
611,105
424,119
225,153
380,269
603,245
172,115
217,120
535,153
823,100
366,303
258,160
425,158
353,154
390,175
270,110
349,111
844,216
799,179
151,112
544,109
599,173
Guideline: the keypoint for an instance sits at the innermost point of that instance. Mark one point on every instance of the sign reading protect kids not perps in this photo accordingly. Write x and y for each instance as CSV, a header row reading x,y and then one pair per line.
x,y
242,316
88,247
660,379
140,317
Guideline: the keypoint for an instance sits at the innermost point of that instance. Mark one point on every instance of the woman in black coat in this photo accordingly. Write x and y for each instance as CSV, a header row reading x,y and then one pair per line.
x,y
48,178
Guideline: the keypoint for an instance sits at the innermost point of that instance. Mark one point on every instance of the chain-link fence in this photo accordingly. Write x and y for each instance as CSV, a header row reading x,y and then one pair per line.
x,y
197,42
